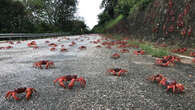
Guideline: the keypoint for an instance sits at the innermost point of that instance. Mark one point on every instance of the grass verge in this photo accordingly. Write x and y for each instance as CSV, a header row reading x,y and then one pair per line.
x,y
150,49
146,46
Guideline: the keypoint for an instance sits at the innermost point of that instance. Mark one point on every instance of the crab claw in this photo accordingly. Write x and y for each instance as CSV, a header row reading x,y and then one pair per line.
x,y
112,71
71,84
122,71
163,81
180,87
80,80
156,78
61,81
29,92
13,94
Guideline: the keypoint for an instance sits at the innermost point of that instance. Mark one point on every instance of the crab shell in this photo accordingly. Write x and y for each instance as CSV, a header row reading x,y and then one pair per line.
x,y
156,78
115,56
124,51
176,87
162,62
43,62
28,91
117,71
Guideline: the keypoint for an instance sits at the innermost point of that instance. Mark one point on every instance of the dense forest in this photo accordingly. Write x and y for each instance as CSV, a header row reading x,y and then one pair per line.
x,y
168,21
40,16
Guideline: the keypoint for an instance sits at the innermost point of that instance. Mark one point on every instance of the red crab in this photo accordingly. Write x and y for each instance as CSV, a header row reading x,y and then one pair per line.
x,y
180,21
155,29
180,50
10,42
63,50
115,56
193,60
117,71
98,46
82,47
47,64
52,49
32,43
18,42
72,79
163,62
170,3
176,87
172,58
13,93
8,47
167,60
52,45
72,44
169,84
47,41
109,47
192,54
183,32
124,51
157,78
140,52
190,31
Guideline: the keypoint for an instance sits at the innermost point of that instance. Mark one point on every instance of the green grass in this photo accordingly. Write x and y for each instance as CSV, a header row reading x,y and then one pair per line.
x,y
114,21
150,49
146,46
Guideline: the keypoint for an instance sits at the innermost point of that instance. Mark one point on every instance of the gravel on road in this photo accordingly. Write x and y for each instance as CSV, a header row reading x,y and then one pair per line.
x,y
102,92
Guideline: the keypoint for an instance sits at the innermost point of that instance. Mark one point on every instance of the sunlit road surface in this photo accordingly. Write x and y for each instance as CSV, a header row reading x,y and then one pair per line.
x,y
102,91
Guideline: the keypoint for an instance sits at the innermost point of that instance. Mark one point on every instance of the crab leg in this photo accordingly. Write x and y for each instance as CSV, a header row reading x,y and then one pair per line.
x,y
8,94
71,84
29,92
13,94
61,83
82,81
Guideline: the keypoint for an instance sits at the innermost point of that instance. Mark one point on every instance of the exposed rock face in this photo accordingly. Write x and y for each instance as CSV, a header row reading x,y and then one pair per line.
x,y
170,21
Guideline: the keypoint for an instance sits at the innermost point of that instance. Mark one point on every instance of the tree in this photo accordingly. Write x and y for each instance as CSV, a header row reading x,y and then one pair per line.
x,y
13,17
109,6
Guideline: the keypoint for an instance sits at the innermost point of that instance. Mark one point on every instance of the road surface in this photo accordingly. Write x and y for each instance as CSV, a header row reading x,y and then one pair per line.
x,y
102,92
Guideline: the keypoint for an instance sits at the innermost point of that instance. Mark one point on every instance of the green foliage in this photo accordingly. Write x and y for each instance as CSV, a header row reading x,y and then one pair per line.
x,y
115,8
114,21
156,52
147,47
13,17
40,16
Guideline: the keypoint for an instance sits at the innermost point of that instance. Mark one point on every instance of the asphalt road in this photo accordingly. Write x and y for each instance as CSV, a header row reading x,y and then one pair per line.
x,y
102,92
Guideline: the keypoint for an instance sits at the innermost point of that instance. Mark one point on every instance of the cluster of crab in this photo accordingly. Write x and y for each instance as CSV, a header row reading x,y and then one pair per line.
x,y
5,48
180,50
136,52
171,85
61,80
33,44
167,61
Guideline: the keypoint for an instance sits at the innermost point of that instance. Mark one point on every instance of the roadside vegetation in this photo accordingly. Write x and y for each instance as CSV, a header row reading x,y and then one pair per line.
x,y
148,47
160,21
116,10
40,16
